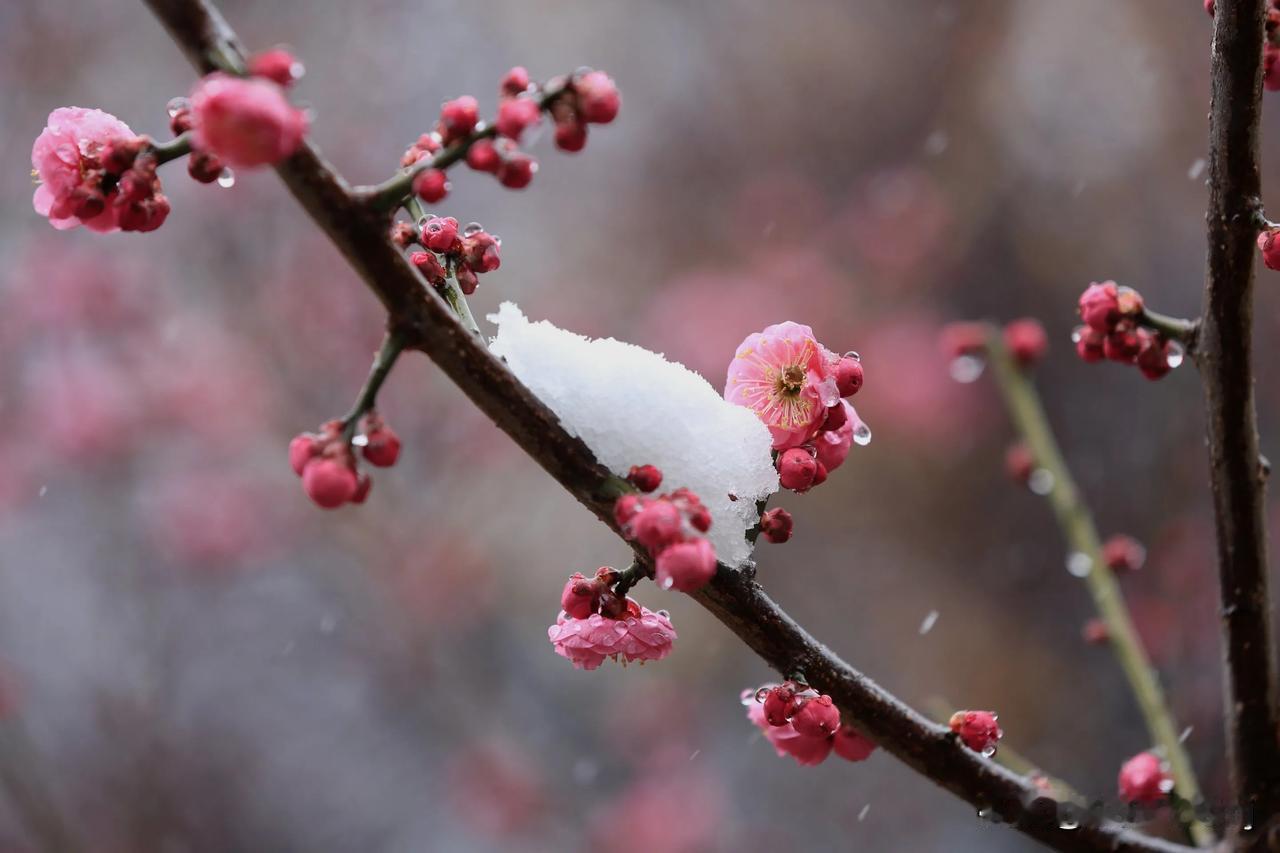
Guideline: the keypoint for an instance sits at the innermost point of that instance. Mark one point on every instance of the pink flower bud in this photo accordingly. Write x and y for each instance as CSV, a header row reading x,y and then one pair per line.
x,y
204,167
797,469
848,376
1153,355
466,277
329,482
277,64
431,185
514,82
852,745
598,98
119,154
780,703
483,156
1123,553
776,525
1089,344
302,449
837,416
657,525
458,118
1095,632
965,338
482,252
1144,780
1019,462
429,265
439,233
245,121
977,730
1123,345
817,717
571,135
685,566
626,508
517,115
646,478
383,448
1100,306
516,170
1270,248
581,597
402,234
691,506
1026,341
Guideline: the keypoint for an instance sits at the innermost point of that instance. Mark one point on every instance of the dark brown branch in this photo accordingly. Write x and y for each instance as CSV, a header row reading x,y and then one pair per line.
x,y
735,599
1226,364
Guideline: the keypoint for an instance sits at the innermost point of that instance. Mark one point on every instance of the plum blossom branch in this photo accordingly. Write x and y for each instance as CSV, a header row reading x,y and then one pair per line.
x,y
450,290
390,350
1086,559
1226,366
179,146
359,230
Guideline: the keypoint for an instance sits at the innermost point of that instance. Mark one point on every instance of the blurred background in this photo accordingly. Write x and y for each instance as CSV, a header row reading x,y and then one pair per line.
x,y
195,658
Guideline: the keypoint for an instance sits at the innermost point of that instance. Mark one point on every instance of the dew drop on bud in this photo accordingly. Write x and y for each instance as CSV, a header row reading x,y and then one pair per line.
x,y
227,179
1175,355
176,106
862,435
664,614
360,440
762,693
296,70
986,813
989,752
1068,822
967,368
1041,481
472,229
667,583
1077,334
1079,564
1165,786
853,355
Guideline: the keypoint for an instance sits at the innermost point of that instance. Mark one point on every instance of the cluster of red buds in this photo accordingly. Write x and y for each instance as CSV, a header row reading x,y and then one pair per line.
x,y
466,254
978,730
965,344
583,596
327,464
1112,316
124,181
804,724
776,525
1270,47
670,527
586,97
598,621
1144,780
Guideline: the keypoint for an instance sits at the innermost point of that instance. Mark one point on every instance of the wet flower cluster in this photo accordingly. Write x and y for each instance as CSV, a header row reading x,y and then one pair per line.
x,y
447,251
801,723
794,385
326,460
670,527
94,171
1112,330
585,97
596,623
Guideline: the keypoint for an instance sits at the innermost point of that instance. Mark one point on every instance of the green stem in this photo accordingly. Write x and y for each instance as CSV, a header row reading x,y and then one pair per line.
x,y
451,292
179,146
392,345
1173,328
1082,537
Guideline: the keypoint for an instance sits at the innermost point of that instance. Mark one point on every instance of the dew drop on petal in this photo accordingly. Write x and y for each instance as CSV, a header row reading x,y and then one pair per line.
x,y
472,229
176,105
1079,564
227,179
861,434
967,368
761,694
854,355
1040,481
1175,356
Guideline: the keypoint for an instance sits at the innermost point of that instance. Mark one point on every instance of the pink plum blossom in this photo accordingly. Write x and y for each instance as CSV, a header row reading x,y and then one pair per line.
x,y
245,121
787,378
640,635
807,751
63,154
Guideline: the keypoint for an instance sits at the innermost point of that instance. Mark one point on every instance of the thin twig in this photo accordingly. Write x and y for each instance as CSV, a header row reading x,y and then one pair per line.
x,y
392,346
1226,367
1081,533
360,232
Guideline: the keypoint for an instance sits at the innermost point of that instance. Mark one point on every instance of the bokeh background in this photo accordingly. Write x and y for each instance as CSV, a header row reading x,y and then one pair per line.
x,y
198,659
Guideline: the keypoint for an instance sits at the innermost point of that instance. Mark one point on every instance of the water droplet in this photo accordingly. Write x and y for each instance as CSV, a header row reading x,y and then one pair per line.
x,y
761,694
862,435
1077,334
989,752
930,619
987,813
967,368
664,614
862,815
853,355
296,70
1069,822
1079,564
667,583
1248,827
1165,786
227,179
1197,168
1040,481
472,229
1176,354
176,106
360,440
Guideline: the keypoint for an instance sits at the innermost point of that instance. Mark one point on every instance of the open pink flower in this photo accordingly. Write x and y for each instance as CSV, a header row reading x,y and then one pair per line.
x,y
245,121
806,750
639,635
64,155
787,378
